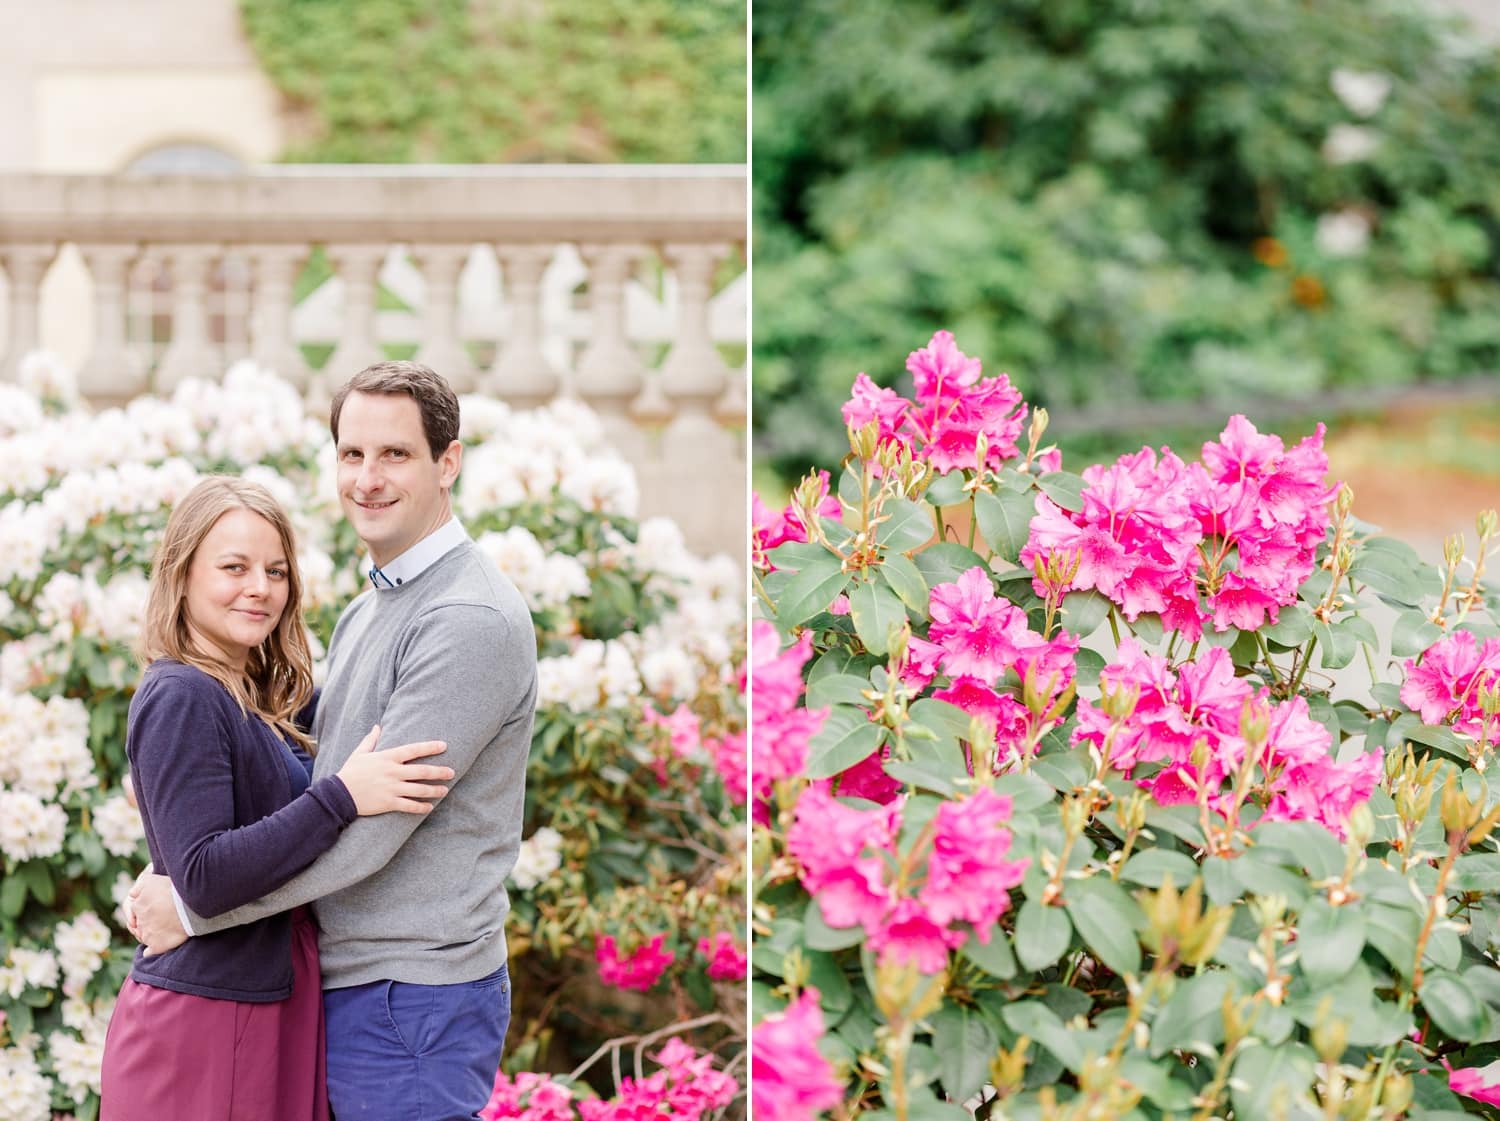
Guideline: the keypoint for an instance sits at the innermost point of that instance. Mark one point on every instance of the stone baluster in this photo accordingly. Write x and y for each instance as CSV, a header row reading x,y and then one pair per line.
x,y
358,269
609,375
192,353
271,343
694,375
521,375
25,266
442,346
112,373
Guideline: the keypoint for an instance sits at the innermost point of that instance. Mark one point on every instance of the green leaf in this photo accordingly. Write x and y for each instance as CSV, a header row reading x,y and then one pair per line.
x,y
1220,883
1393,929
923,776
876,611
965,1042
1477,871
908,525
903,576
1453,1007
1042,934
1303,842
826,975
945,562
1106,918
1387,575
1156,1083
1082,612
1005,521
1410,727
946,490
837,689
818,935
1151,867
1193,1017
811,590
994,957
1292,627
1259,870
1033,1018
1064,488
1338,647
12,896
1413,632
1329,939
1271,1083
846,738
1089,665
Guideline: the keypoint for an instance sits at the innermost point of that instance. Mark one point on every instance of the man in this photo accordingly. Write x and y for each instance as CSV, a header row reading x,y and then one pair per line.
x,y
441,647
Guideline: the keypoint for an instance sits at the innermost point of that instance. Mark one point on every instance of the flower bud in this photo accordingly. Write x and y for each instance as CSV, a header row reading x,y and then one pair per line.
x,y
862,440
1360,825
1398,1094
1330,1036
1344,502
1486,524
1008,1068
1453,549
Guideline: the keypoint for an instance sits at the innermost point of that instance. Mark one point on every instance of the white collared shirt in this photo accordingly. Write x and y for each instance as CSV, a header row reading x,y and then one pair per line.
x,y
419,557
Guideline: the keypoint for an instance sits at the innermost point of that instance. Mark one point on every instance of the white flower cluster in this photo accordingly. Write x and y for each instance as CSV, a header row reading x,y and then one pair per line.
x,y
250,415
119,826
540,855
593,675
525,455
44,747
25,1094
81,946
78,1060
29,827
545,579
27,969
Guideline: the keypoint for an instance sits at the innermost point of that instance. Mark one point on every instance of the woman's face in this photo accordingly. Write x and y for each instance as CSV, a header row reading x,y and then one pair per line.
x,y
237,586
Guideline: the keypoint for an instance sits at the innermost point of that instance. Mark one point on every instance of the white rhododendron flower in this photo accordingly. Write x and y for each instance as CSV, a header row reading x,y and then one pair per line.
x,y
28,827
25,1094
540,855
1350,144
78,1060
118,824
1345,233
1363,92
606,486
27,969
81,946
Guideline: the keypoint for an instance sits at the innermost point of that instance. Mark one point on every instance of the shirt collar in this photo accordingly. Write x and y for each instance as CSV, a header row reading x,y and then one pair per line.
x,y
420,556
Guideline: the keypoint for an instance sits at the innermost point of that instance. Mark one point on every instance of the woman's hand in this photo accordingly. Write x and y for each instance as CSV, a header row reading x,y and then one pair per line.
x,y
381,781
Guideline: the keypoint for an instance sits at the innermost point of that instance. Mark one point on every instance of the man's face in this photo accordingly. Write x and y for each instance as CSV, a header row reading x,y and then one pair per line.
x,y
392,490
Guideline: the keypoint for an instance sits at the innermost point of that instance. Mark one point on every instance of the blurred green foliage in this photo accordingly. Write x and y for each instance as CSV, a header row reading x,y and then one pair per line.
x,y
481,81
1117,199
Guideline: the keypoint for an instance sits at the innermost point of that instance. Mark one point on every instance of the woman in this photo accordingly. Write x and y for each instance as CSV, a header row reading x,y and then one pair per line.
x,y
230,1025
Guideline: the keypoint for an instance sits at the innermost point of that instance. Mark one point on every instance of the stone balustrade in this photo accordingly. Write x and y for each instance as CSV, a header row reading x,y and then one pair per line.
x,y
619,285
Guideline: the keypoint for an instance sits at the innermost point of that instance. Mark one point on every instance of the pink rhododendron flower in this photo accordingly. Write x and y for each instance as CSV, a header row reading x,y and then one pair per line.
x,y
779,729
638,970
529,1097
726,961
789,1079
867,779
1480,1083
1201,705
683,728
848,855
1443,684
770,528
730,760
953,408
1226,541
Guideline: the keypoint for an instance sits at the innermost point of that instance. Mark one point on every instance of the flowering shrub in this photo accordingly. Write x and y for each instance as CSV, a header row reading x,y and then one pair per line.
x,y
1084,796
634,830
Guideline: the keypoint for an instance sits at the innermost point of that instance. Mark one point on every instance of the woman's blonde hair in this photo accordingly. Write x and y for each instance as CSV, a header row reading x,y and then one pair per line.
x,y
277,679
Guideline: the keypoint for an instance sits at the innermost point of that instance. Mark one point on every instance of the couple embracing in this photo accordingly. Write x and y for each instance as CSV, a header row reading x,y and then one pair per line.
x,y
283,835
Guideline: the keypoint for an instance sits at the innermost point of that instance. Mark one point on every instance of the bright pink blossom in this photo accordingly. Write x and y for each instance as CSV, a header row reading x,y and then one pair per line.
x,y
1443,685
728,752
848,857
1480,1083
769,528
528,1097
790,1080
780,730
953,409
683,728
638,970
726,960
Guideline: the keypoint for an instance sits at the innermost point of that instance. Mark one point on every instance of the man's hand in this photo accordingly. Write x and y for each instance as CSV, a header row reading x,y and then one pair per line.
x,y
153,915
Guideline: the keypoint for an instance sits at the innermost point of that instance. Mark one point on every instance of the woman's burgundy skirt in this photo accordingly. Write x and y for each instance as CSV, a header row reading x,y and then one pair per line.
x,y
170,1056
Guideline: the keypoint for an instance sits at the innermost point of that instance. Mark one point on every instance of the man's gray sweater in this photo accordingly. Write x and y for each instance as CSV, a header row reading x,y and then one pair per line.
x,y
449,655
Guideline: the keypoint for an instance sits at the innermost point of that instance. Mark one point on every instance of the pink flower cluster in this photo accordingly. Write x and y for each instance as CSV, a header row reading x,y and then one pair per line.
x,y
730,759
726,961
779,729
769,528
684,734
907,904
789,1079
1201,704
954,407
1227,540
1444,684
639,969
687,1087
975,637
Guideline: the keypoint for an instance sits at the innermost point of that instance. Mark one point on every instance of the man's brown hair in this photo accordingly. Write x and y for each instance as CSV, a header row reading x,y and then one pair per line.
x,y
432,393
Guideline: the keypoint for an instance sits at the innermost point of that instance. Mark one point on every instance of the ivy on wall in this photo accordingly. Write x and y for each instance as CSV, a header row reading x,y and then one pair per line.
x,y
486,81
